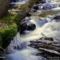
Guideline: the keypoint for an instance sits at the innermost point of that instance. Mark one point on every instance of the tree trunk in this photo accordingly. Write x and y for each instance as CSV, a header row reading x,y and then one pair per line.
x,y
24,10
4,4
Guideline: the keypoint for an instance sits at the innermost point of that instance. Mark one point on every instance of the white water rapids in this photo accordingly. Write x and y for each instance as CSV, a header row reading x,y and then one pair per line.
x,y
25,52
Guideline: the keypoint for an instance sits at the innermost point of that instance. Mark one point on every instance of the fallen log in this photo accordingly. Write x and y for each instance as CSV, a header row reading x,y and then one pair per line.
x,y
50,51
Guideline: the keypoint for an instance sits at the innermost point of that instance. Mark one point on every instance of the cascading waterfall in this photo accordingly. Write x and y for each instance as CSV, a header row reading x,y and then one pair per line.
x,y
19,49
29,36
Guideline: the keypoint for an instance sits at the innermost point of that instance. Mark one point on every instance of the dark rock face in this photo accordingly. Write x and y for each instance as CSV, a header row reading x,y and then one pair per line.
x,y
13,0
35,7
1,50
28,15
40,1
1,54
22,27
57,17
31,27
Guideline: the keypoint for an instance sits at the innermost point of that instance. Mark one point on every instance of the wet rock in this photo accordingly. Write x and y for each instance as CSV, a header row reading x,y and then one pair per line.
x,y
46,38
40,1
26,25
1,54
31,27
28,15
35,7
22,27
13,0
57,17
1,50
47,7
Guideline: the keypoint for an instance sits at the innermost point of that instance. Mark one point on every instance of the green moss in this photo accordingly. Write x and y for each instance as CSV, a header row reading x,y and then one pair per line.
x,y
8,34
10,31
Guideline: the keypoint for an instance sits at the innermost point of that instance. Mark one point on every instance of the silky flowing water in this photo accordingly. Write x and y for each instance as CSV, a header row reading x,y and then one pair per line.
x,y
19,49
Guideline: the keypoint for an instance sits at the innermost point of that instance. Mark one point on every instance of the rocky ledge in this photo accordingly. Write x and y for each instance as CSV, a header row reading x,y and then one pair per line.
x,y
46,45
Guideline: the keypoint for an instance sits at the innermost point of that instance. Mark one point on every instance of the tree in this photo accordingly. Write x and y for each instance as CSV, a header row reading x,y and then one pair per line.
x,y
25,10
4,4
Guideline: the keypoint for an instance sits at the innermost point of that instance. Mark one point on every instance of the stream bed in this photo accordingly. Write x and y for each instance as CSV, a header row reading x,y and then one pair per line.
x,y
19,49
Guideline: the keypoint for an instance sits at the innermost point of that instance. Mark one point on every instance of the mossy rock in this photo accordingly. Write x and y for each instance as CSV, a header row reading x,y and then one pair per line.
x,y
7,34
8,29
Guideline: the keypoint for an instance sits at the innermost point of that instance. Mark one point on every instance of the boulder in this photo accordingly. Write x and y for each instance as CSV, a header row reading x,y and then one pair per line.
x,y
22,27
31,27
7,35
25,26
